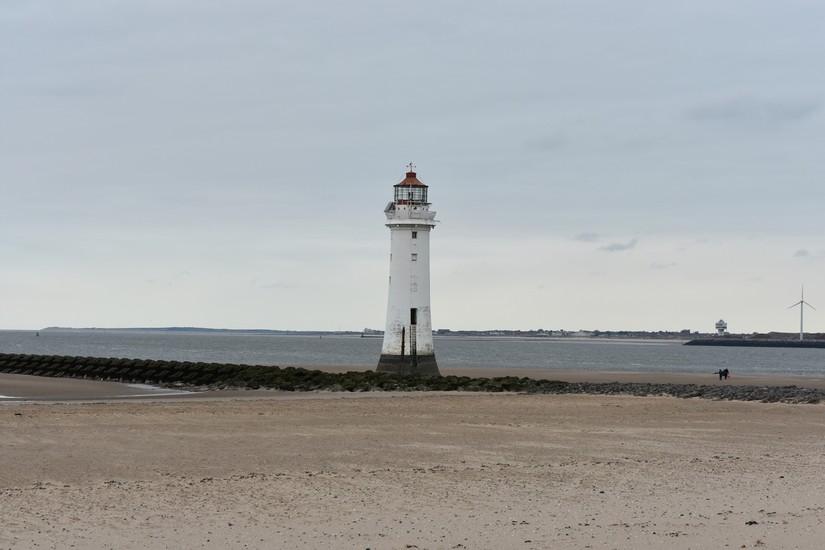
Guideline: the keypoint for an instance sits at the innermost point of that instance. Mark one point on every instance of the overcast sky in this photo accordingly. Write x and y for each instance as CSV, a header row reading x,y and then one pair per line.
x,y
635,165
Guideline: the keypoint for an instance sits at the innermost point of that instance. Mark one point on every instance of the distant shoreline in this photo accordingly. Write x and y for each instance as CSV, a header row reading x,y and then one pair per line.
x,y
684,337
195,330
496,335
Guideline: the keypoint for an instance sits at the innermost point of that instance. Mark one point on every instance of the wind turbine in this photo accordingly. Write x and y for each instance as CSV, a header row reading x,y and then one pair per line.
x,y
802,303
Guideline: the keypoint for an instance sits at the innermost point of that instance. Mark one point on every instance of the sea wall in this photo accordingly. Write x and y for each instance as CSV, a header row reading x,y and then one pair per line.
x,y
756,343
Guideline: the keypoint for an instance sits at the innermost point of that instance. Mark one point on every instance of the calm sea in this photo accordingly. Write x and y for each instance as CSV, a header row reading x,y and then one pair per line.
x,y
266,349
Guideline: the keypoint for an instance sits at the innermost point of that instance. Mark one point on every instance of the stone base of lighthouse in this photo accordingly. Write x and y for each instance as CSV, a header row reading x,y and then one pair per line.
x,y
424,365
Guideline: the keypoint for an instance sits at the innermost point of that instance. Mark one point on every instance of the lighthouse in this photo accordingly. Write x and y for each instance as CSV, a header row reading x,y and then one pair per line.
x,y
408,334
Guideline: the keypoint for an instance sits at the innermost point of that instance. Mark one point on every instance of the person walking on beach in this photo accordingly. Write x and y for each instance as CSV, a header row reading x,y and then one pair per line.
x,y
722,373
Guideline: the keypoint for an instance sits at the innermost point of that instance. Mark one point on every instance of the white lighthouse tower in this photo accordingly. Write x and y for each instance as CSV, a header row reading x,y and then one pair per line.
x,y
408,335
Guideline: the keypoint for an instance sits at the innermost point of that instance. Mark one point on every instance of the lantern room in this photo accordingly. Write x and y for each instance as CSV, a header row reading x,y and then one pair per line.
x,y
411,191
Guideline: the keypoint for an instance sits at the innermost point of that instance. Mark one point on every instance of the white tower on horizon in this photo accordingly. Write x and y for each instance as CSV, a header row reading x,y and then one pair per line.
x,y
408,334
802,303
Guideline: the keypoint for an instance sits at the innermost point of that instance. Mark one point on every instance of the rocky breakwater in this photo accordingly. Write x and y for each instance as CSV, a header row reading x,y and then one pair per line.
x,y
202,376
764,394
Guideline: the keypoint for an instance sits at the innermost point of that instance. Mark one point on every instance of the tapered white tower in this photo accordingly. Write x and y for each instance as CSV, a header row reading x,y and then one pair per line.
x,y
408,334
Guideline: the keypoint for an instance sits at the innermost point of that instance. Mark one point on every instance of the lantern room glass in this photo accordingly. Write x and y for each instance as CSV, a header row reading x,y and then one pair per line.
x,y
409,194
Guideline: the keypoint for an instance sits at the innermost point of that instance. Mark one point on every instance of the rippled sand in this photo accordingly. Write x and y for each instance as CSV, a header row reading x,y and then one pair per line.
x,y
412,471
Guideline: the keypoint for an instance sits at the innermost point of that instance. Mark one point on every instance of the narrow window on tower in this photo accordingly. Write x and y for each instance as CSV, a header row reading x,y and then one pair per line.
x,y
415,257
413,316
415,234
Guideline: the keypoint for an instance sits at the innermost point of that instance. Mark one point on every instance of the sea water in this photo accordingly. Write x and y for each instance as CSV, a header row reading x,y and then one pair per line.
x,y
451,351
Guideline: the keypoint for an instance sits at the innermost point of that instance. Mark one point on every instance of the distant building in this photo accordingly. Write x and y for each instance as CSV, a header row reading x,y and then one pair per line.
x,y
721,327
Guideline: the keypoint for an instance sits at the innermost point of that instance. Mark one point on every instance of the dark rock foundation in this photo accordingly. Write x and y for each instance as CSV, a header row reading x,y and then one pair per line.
x,y
424,365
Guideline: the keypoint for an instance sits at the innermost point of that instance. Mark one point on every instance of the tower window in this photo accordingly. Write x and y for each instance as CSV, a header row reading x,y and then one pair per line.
x,y
415,257
415,234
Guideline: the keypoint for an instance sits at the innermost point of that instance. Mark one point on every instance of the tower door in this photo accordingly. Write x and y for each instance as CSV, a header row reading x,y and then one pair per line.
x,y
414,336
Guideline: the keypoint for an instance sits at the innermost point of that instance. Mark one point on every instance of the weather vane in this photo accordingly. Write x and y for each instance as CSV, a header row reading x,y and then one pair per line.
x,y
411,166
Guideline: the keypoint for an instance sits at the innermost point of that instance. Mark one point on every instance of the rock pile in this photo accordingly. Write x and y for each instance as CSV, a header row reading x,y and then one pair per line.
x,y
197,376
764,394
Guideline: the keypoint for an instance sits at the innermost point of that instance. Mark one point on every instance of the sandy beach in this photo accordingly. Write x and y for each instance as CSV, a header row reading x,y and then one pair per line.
x,y
274,470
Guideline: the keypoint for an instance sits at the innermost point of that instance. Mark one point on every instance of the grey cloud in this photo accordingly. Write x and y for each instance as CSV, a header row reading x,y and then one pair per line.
x,y
618,247
754,112
586,237
801,253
